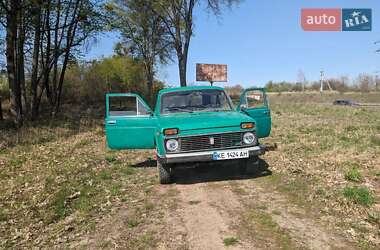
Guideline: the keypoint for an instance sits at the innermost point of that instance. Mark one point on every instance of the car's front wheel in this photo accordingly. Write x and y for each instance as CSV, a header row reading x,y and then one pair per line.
x,y
164,174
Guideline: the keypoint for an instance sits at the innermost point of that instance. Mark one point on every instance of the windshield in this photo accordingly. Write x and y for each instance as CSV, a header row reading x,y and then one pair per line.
x,y
195,101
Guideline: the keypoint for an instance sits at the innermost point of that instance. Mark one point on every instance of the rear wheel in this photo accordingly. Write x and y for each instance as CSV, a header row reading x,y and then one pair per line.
x,y
163,173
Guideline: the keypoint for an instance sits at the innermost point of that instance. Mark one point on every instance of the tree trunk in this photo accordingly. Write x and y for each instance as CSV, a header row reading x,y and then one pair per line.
x,y
69,43
1,110
149,81
61,78
20,63
56,47
36,52
11,51
182,70
47,68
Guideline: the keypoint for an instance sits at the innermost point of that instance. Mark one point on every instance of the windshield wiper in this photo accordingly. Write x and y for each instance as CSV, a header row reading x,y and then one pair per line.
x,y
205,108
179,109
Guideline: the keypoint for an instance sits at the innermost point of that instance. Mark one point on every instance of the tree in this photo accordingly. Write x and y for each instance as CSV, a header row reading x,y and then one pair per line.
x,y
45,34
1,110
143,35
14,41
177,16
365,82
37,11
59,28
66,26
301,79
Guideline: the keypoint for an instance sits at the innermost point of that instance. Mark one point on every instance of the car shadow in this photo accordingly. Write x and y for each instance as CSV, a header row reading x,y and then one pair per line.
x,y
149,163
221,171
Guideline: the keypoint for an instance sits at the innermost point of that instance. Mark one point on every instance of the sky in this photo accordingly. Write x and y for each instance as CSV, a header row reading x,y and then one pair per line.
x,y
263,40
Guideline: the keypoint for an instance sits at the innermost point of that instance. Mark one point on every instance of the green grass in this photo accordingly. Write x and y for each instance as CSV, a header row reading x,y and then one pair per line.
x,y
110,158
105,175
148,238
359,195
49,181
261,227
149,206
353,175
230,241
132,223
374,218
375,140
59,208
194,202
265,219
3,215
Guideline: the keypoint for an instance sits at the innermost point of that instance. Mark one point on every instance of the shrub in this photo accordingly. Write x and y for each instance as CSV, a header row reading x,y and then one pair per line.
x,y
88,82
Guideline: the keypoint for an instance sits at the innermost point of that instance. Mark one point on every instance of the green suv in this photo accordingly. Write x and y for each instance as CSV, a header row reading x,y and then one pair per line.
x,y
189,124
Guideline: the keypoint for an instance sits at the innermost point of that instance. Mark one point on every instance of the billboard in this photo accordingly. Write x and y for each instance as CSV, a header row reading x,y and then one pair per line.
x,y
211,72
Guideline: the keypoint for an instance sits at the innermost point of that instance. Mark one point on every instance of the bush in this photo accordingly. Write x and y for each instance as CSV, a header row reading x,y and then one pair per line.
x,y
359,195
88,83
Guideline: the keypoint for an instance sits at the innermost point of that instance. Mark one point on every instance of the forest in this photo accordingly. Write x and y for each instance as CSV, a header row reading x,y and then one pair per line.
x,y
44,44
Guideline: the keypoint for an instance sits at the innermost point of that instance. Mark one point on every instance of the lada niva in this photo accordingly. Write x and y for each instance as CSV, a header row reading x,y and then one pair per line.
x,y
190,124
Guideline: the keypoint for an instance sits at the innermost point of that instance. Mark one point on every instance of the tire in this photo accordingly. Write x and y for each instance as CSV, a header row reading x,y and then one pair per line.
x,y
163,173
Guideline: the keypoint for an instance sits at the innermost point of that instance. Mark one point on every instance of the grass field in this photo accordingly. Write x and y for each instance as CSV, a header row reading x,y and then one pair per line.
x,y
60,186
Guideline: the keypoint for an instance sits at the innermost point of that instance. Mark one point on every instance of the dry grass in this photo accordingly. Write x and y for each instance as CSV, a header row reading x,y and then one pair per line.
x,y
58,180
323,150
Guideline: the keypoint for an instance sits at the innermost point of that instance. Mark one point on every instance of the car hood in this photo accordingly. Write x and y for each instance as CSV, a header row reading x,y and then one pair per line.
x,y
203,120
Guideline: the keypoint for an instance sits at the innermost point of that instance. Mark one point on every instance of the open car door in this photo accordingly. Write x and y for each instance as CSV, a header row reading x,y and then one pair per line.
x,y
254,103
129,122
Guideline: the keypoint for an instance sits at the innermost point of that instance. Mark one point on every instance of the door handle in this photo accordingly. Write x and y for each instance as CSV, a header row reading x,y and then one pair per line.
x,y
266,112
111,122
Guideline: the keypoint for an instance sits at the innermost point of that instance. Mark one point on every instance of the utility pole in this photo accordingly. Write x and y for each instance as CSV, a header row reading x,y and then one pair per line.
x,y
321,81
377,80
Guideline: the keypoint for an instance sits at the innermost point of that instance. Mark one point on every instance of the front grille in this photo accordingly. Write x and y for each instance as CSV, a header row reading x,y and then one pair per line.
x,y
202,142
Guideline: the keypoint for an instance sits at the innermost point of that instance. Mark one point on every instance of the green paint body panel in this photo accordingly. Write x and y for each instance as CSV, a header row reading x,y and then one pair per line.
x,y
129,132
260,114
146,131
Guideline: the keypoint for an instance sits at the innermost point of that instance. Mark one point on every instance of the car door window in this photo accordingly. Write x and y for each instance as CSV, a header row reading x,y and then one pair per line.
x,y
255,99
141,109
126,106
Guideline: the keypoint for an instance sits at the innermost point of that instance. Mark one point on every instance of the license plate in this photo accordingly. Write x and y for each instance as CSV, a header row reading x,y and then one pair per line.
x,y
228,155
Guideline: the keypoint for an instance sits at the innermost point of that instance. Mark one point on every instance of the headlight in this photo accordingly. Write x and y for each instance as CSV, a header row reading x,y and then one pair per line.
x,y
249,138
172,145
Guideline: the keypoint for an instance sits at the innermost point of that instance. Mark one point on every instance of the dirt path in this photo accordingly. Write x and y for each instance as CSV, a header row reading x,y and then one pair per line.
x,y
202,211
213,210
205,214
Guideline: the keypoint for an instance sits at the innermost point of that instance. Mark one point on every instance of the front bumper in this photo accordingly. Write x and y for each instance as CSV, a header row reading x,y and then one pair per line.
x,y
205,156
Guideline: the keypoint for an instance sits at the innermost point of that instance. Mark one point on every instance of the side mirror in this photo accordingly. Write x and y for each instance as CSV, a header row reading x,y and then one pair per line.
x,y
243,107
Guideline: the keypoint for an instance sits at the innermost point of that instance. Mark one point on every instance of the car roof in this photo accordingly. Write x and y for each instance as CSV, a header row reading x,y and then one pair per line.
x,y
169,90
